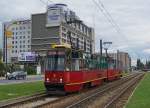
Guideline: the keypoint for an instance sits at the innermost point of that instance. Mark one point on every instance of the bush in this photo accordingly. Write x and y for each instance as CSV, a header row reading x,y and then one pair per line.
x,y
2,69
30,71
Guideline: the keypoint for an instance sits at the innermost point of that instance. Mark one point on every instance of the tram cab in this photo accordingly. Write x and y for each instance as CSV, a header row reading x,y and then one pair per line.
x,y
60,60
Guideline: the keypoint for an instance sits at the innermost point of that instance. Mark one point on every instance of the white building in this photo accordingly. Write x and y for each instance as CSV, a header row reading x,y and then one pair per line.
x,y
17,40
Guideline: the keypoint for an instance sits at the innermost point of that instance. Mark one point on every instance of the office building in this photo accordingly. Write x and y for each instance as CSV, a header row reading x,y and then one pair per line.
x,y
16,39
54,26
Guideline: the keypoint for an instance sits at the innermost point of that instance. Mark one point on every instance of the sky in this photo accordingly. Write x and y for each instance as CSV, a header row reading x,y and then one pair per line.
x,y
131,18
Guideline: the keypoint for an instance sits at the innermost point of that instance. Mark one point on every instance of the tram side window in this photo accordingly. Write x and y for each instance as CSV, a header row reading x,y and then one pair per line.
x,y
93,64
111,65
75,64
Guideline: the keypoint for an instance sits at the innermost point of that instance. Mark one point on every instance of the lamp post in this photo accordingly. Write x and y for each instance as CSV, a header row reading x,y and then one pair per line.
x,y
106,45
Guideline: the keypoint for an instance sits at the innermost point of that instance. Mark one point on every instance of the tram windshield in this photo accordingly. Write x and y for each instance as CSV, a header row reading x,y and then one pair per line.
x,y
55,61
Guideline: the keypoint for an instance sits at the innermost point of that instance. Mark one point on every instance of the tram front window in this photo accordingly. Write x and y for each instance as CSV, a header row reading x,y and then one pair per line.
x,y
55,62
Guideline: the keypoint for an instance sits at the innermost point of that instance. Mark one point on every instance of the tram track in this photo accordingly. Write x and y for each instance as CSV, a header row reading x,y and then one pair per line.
x,y
25,101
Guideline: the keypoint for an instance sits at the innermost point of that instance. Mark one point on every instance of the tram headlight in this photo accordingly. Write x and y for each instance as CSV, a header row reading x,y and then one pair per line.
x,y
47,79
61,80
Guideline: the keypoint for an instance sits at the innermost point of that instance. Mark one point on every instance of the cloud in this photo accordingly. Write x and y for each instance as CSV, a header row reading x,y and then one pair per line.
x,y
146,51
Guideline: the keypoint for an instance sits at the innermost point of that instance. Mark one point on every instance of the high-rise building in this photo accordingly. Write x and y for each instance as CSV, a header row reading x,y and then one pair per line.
x,y
16,39
60,25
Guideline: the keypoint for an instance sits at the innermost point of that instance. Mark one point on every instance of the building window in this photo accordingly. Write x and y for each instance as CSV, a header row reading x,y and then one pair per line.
x,y
64,40
20,37
16,51
28,36
28,32
20,50
24,41
12,42
16,42
63,35
23,46
24,37
64,29
20,28
28,46
28,41
16,33
16,37
16,46
13,28
20,46
20,41
24,27
12,51
16,28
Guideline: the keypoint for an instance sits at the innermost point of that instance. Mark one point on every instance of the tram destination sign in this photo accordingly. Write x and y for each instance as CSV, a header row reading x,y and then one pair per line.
x,y
56,53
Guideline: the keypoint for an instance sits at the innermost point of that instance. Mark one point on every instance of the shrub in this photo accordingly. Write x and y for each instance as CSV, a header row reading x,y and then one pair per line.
x,y
30,71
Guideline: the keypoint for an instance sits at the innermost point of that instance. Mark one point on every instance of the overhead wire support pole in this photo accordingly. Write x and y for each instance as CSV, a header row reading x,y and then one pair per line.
x,y
101,47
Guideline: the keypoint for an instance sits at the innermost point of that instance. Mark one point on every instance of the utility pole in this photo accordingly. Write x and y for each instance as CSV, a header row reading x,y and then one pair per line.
x,y
5,37
101,48
106,46
4,45
117,60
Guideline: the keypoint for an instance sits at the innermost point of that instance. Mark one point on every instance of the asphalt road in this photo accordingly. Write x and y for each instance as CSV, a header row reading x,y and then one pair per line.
x,y
34,78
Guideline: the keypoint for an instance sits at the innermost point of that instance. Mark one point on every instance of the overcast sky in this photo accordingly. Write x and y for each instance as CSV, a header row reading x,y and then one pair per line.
x,y
131,16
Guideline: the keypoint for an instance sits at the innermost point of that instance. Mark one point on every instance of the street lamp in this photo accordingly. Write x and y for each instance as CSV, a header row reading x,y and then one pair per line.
x,y
106,45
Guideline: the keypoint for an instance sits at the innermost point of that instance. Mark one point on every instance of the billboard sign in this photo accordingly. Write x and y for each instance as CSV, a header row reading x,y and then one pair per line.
x,y
53,17
27,56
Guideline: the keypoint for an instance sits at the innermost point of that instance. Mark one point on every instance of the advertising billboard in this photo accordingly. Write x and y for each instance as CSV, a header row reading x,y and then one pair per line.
x,y
53,17
27,57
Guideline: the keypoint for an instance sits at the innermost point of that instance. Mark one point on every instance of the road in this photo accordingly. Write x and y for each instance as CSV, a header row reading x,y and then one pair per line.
x,y
33,78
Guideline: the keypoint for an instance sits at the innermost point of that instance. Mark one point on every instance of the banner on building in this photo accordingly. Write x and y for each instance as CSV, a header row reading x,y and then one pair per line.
x,y
27,57
53,17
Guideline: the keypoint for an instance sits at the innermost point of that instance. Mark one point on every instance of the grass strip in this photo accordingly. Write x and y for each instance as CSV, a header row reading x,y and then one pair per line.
x,y
17,90
141,96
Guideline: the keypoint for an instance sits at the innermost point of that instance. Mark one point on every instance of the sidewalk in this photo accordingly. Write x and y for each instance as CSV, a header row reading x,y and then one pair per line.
x,y
1,78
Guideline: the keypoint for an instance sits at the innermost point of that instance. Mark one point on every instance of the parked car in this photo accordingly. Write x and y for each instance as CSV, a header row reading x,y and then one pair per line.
x,y
16,75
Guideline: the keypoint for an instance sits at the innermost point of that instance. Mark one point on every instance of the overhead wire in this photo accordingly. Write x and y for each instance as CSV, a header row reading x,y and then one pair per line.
x,y
108,16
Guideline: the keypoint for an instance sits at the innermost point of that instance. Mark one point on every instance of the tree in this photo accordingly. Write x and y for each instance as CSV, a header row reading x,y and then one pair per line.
x,y
139,65
2,66
2,69
1,54
147,65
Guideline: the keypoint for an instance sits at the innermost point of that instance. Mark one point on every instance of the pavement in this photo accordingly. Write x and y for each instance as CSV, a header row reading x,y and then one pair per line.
x,y
31,78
